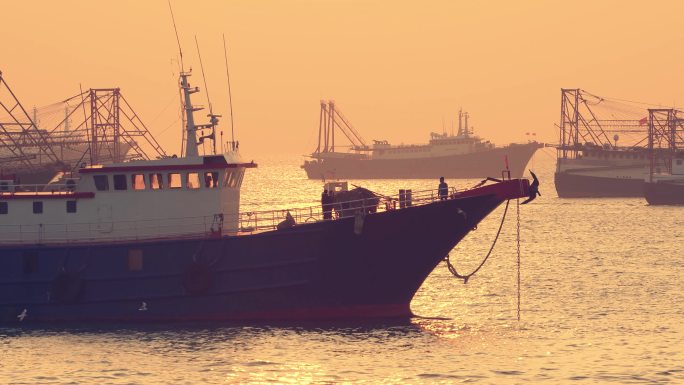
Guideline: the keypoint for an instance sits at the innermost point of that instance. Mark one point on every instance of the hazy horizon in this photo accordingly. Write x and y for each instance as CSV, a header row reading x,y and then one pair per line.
x,y
397,70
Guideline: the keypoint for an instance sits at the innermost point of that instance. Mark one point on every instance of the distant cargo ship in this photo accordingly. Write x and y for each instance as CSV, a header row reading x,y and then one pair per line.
x,y
463,155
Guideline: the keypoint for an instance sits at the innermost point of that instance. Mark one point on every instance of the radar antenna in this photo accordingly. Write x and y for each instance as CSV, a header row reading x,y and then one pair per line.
x,y
180,89
180,51
213,119
230,97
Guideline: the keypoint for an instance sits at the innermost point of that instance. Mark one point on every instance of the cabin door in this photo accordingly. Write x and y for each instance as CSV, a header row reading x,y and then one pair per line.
x,y
104,219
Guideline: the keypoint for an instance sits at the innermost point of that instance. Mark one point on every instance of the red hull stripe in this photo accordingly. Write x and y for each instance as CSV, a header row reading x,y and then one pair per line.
x,y
178,167
304,314
47,195
508,189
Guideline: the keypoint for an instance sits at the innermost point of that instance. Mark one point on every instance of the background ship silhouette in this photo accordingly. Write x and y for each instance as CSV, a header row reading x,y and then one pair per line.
x,y
463,155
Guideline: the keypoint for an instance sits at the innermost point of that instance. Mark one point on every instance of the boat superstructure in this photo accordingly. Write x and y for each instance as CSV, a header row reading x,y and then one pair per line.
x,y
463,155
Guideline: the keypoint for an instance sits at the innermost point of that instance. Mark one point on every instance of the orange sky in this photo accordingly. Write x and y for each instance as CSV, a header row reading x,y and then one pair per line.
x,y
395,68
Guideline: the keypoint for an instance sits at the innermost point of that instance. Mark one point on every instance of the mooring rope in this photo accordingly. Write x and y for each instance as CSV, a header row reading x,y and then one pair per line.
x,y
466,277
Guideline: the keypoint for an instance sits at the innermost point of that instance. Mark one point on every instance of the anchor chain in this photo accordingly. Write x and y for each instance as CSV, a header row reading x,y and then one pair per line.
x,y
466,277
517,206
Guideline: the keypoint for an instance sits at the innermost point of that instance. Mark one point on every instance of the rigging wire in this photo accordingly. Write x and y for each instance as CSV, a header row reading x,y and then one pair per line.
x,y
204,78
180,50
230,96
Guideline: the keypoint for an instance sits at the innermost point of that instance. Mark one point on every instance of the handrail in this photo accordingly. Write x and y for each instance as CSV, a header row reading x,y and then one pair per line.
x,y
213,225
11,188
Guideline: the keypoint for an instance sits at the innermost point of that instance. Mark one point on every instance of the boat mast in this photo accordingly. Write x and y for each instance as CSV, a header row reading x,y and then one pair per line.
x,y
466,131
460,122
190,128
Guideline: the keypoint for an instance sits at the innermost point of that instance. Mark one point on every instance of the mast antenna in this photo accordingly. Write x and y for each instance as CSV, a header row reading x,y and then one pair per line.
x,y
180,51
180,88
230,96
204,78
211,115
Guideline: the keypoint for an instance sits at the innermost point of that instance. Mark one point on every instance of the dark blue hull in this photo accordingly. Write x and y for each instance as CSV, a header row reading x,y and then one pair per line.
x,y
311,271
569,185
664,193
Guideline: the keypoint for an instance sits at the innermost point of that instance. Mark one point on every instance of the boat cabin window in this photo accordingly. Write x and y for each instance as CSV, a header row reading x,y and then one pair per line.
x,y
679,162
231,179
211,179
138,181
37,207
241,174
120,182
4,185
4,208
156,181
101,182
192,180
175,180
70,206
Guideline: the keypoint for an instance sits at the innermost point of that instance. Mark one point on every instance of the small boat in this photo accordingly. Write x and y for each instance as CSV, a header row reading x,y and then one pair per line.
x,y
463,155
164,240
589,163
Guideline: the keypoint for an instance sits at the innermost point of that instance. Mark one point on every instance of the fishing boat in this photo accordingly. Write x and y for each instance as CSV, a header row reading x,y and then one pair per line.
x,y
591,164
164,240
463,155
98,126
665,182
600,171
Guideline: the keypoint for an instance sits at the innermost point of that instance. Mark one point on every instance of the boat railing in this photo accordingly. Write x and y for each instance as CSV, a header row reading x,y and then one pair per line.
x,y
9,188
211,225
252,221
120,230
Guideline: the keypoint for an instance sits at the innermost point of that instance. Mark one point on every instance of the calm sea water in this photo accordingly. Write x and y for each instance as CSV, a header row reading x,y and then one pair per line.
x,y
602,302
